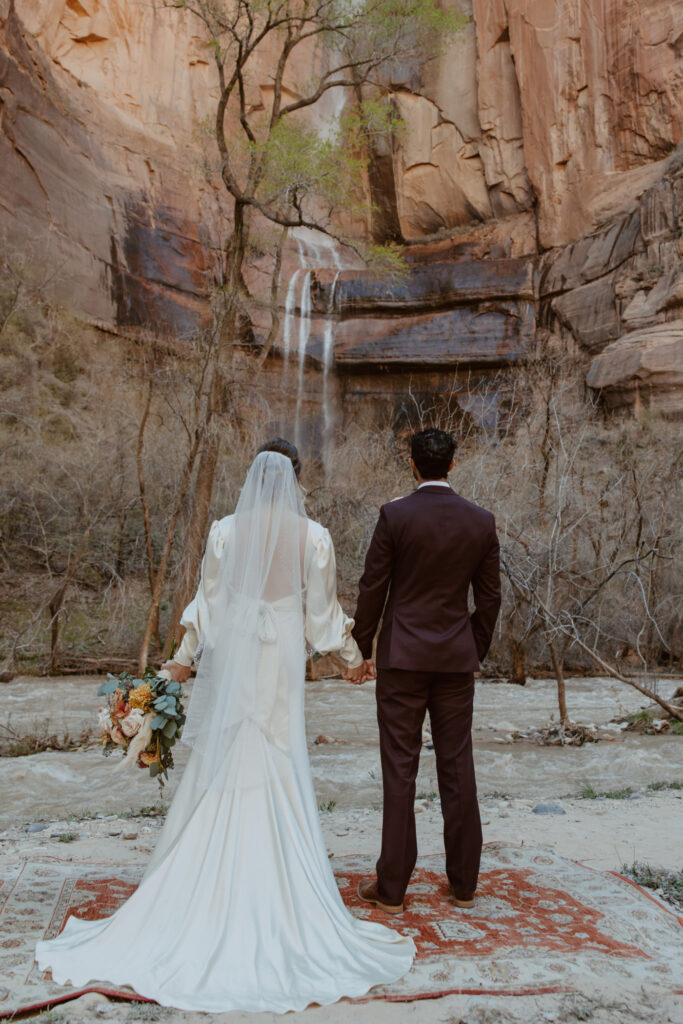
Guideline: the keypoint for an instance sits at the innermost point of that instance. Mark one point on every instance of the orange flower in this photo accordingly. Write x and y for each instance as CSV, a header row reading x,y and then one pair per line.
x,y
147,757
119,707
141,697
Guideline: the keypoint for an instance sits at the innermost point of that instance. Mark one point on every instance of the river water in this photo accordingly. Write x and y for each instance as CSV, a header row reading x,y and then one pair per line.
x,y
347,769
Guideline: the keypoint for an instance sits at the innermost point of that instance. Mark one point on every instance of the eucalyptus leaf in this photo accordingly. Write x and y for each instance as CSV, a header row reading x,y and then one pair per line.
x,y
170,729
159,721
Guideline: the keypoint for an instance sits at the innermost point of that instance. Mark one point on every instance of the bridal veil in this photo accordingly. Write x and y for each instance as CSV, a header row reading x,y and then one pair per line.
x,y
261,576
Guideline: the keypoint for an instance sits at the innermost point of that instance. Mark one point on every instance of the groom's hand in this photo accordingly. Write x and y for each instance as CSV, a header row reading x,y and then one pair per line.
x,y
181,673
370,671
359,675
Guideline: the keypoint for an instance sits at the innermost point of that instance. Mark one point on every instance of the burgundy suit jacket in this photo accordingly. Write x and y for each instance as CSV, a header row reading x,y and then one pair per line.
x,y
426,552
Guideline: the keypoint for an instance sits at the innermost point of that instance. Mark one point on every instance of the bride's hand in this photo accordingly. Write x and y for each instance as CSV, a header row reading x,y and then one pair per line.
x,y
359,675
181,673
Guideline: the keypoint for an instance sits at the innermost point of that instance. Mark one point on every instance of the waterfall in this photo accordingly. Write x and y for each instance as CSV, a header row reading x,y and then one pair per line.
x,y
315,250
290,305
304,332
328,355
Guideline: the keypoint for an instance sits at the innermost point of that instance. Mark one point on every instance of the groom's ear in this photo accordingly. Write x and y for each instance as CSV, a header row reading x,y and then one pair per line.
x,y
451,465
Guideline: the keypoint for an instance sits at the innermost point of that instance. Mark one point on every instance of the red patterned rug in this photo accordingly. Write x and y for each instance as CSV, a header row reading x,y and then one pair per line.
x,y
541,923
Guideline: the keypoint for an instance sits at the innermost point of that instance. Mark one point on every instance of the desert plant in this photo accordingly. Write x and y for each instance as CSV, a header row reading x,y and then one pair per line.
x,y
665,883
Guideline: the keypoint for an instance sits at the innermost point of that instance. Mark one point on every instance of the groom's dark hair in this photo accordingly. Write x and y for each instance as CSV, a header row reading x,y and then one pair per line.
x,y
278,444
432,451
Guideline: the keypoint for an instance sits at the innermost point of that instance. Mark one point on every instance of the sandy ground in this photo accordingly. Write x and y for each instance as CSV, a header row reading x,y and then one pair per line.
x,y
77,794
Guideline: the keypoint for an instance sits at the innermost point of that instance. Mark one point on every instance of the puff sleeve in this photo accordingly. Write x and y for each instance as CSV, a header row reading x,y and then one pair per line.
x,y
196,616
327,628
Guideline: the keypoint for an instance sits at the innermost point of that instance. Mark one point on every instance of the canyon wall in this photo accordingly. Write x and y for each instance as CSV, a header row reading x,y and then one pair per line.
x,y
537,184
98,171
557,106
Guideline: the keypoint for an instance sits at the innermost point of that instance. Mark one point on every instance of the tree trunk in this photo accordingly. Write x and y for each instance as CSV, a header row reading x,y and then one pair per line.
x,y
193,541
54,608
195,533
57,600
518,675
559,676
143,498
274,288
160,575
120,546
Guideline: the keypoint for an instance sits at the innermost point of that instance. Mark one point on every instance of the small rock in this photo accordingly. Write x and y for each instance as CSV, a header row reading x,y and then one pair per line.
x,y
548,809
37,826
114,833
134,835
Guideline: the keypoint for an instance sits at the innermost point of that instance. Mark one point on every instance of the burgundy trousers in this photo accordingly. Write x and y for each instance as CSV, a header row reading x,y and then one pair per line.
x,y
403,698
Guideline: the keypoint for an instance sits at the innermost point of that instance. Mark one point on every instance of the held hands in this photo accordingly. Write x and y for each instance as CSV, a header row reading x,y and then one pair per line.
x,y
359,675
181,673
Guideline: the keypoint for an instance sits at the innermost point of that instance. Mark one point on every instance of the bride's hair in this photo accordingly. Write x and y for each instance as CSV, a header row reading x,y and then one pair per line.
x,y
278,444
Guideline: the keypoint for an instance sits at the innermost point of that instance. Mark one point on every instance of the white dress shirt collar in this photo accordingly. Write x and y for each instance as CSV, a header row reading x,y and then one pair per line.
x,y
435,483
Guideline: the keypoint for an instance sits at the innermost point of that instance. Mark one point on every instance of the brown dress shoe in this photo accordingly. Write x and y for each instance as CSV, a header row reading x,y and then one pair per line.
x,y
367,890
461,901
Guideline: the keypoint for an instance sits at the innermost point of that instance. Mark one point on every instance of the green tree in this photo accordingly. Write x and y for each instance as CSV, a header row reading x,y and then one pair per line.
x,y
283,165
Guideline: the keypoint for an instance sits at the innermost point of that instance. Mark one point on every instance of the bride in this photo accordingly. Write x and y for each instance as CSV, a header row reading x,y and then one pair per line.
x,y
238,908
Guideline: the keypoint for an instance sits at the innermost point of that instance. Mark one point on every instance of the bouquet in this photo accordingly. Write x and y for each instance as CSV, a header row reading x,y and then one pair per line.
x,y
143,717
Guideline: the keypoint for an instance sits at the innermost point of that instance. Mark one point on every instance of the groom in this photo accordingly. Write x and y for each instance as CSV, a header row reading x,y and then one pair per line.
x,y
426,552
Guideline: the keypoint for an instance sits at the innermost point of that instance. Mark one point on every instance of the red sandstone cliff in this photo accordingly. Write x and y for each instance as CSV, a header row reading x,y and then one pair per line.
x,y
547,132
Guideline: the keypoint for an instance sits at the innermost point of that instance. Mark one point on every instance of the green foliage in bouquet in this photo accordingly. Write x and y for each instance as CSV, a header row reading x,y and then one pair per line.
x,y
143,713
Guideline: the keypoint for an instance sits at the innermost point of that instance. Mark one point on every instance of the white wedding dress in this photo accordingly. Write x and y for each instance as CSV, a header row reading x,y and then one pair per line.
x,y
238,908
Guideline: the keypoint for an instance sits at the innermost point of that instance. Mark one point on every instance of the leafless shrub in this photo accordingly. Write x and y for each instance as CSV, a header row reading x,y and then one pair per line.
x,y
94,431
586,512
14,743
101,437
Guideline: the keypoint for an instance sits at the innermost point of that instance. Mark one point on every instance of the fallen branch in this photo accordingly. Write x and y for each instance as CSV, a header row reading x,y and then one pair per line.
x,y
75,665
670,709
555,622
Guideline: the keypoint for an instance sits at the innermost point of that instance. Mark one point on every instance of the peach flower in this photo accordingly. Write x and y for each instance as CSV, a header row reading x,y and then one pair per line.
x,y
132,722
